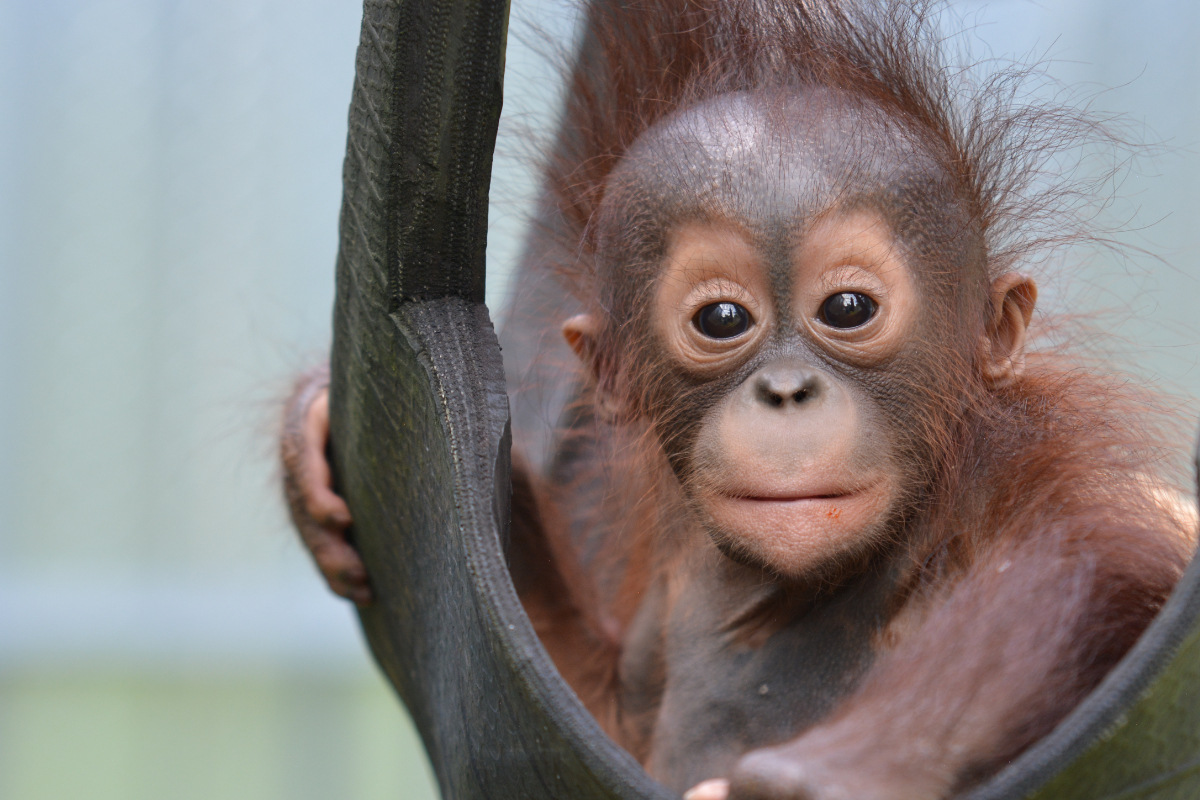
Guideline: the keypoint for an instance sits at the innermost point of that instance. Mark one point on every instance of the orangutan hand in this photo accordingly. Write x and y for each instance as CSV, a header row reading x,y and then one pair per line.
x,y
321,517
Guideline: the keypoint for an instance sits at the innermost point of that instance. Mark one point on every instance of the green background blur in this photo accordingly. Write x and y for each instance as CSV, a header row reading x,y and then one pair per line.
x,y
169,188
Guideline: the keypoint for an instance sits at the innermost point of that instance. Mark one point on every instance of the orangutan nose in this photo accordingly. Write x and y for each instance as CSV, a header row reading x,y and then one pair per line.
x,y
787,386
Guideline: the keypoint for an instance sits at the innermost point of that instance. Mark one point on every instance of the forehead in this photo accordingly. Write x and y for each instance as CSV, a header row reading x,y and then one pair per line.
x,y
780,157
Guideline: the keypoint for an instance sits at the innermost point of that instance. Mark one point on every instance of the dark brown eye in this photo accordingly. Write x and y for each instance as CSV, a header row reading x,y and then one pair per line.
x,y
723,320
847,310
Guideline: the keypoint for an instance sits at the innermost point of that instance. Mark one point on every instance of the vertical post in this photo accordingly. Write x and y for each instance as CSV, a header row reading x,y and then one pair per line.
x,y
420,418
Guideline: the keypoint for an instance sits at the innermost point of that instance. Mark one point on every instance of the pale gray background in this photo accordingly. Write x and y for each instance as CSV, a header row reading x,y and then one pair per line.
x,y
169,187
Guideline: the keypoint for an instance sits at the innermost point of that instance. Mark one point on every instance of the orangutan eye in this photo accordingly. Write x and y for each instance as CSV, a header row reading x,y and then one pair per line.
x,y
723,320
847,310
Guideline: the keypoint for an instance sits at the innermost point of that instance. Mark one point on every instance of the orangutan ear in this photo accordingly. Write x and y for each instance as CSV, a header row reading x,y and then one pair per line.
x,y
582,333
1002,350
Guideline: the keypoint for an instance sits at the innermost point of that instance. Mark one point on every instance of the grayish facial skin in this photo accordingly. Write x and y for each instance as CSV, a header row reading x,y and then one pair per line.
x,y
769,161
787,438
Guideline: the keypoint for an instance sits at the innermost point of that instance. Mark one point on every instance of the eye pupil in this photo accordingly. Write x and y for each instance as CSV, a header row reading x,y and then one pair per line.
x,y
847,310
722,320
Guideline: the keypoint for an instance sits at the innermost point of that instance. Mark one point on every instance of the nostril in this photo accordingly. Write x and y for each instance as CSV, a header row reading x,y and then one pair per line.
x,y
767,394
809,390
777,389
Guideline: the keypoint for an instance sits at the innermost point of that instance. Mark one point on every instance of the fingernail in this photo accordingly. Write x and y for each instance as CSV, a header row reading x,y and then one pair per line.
x,y
716,789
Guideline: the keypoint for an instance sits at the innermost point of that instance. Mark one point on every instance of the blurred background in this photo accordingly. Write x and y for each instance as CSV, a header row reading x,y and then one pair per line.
x,y
169,191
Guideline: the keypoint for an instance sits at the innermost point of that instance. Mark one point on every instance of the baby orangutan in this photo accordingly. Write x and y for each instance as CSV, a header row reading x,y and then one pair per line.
x,y
816,526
